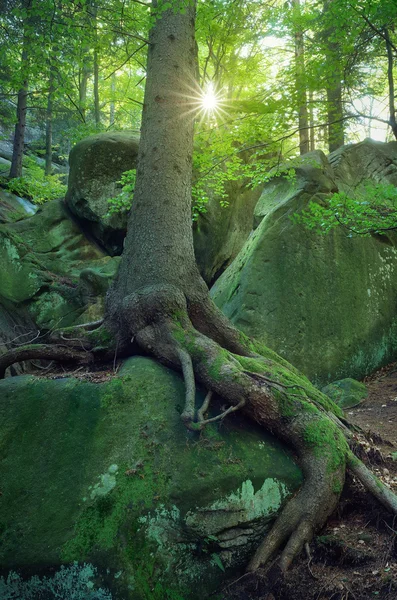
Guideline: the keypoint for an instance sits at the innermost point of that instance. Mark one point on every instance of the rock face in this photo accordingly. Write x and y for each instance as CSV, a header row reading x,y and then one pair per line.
x,y
50,275
221,232
107,473
326,303
96,165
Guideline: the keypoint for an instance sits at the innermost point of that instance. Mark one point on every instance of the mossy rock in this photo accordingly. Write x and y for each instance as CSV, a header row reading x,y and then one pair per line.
x,y
50,269
107,473
296,290
13,208
96,166
346,393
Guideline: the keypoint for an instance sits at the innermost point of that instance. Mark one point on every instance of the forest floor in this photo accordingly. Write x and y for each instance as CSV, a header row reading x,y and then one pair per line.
x,y
355,556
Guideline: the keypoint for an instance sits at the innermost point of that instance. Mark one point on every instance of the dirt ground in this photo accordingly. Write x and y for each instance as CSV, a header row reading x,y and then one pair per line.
x,y
355,556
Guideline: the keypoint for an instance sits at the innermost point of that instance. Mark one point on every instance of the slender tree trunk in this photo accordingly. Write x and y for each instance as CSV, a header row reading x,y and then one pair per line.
x,y
48,124
311,117
390,79
112,114
83,81
336,133
301,83
19,135
22,101
97,112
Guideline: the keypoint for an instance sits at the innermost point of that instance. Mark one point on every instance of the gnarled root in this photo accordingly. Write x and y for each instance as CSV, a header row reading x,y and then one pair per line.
x,y
44,352
268,390
78,344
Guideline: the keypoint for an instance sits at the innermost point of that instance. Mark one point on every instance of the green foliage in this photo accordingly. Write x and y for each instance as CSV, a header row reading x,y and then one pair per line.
x,y
371,210
35,185
123,201
75,582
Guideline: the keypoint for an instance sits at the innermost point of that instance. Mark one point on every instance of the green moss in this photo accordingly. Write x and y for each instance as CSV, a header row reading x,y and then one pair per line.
x,y
327,440
101,520
101,338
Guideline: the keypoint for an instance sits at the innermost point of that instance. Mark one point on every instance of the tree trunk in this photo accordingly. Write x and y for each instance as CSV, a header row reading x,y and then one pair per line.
x,y
48,123
336,130
311,116
336,134
19,135
97,112
159,230
20,125
390,79
300,83
112,114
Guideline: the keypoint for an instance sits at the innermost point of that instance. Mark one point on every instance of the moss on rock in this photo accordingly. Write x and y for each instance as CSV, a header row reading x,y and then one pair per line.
x,y
107,473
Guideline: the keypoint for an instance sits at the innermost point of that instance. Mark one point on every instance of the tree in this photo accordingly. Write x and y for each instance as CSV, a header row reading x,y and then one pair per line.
x,y
160,302
304,144
20,125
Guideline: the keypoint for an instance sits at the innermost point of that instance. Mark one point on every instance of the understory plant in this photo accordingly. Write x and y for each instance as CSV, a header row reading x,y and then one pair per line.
x,y
35,185
371,210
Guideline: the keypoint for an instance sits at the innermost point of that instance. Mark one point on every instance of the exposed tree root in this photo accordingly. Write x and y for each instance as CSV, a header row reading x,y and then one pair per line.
x,y
255,380
44,352
268,390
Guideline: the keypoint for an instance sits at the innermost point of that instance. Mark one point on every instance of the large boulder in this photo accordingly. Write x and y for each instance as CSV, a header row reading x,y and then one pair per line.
x,y
50,272
107,473
96,165
327,303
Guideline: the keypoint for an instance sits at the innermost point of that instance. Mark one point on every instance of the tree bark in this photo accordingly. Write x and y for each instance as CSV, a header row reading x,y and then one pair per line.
x,y
336,134
300,82
112,114
48,123
22,101
390,80
97,112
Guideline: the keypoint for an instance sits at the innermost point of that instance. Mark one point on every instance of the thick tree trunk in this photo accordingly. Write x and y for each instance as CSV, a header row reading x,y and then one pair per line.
x,y
159,244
